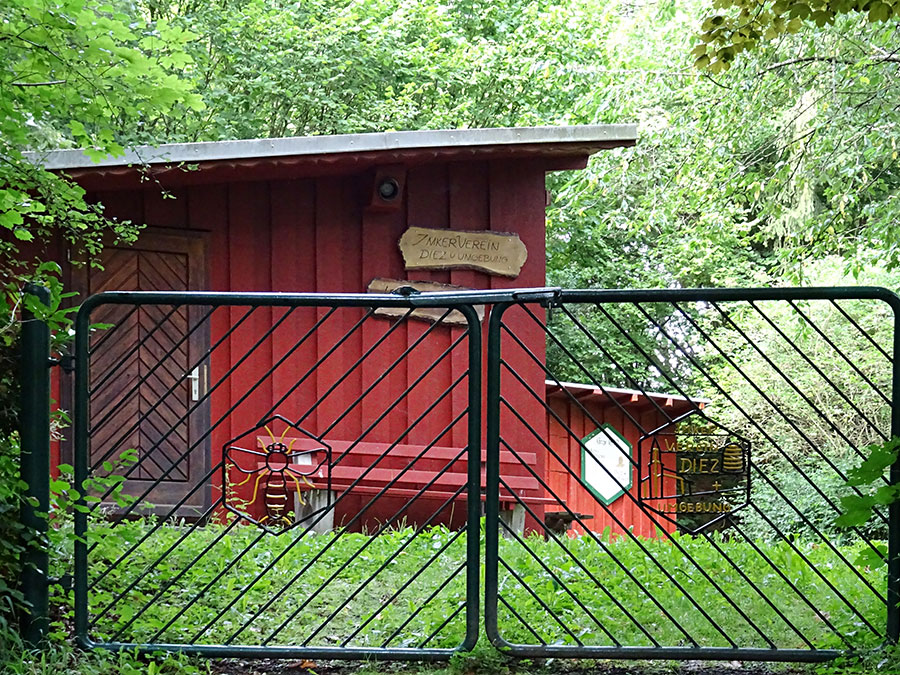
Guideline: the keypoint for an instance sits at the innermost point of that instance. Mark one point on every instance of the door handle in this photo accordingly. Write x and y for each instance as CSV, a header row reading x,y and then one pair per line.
x,y
194,377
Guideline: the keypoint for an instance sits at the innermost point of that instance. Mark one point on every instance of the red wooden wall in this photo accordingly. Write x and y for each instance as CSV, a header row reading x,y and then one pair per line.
x,y
315,234
650,411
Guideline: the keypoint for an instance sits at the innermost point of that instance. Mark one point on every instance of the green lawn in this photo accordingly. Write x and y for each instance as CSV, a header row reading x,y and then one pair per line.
x,y
236,585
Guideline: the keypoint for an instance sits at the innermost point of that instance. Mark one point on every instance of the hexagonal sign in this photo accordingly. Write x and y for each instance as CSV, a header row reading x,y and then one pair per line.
x,y
695,474
276,460
606,463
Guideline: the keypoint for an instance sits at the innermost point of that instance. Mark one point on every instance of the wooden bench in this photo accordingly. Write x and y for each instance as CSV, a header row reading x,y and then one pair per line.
x,y
366,468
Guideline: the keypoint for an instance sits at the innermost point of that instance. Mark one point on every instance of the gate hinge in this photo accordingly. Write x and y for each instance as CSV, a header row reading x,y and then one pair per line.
x,y
65,361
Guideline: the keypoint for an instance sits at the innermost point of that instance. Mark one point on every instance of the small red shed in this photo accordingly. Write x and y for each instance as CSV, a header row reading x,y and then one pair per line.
x,y
317,214
578,412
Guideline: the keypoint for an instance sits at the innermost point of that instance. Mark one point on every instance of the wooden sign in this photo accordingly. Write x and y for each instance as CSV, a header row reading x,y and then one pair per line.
x,y
497,253
431,314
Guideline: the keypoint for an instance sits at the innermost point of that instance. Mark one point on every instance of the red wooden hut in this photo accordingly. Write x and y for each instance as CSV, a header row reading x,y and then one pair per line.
x,y
310,215
575,412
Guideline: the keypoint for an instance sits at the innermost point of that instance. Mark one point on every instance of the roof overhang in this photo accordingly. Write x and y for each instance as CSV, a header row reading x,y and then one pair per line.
x,y
673,405
557,147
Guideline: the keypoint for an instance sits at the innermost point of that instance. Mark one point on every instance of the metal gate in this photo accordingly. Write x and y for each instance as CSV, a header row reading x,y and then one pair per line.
x,y
303,475
278,475
695,446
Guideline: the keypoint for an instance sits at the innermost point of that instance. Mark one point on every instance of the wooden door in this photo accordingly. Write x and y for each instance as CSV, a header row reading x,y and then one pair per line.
x,y
147,372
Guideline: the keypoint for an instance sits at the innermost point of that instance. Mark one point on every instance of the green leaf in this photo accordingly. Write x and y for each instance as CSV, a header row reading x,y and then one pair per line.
x,y
857,510
59,486
800,10
880,11
873,558
880,458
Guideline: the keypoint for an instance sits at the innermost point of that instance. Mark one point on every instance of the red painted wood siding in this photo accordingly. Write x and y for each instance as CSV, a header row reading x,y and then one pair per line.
x,y
564,439
315,235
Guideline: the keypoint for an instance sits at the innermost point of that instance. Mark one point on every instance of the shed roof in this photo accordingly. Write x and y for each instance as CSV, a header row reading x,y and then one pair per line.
x,y
675,403
562,147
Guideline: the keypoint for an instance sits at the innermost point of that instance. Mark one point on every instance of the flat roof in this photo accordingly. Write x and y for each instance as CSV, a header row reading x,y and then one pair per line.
x,y
589,390
574,140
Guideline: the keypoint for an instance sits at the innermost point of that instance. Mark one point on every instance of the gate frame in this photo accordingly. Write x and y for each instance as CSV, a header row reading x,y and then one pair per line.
x,y
404,298
462,301
549,297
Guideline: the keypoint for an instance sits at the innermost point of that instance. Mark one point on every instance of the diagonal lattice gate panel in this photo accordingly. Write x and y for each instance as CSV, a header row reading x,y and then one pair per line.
x,y
300,475
278,475
692,449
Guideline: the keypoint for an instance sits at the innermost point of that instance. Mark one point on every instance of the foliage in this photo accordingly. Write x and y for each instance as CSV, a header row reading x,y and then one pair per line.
x,y
13,535
861,508
807,508
732,182
60,657
172,582
747,23
284,68
808,385
158,585
71,72
743,181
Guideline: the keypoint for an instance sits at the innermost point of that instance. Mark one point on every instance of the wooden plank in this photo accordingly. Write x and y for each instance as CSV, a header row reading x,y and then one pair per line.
x,y
428,206
431,495
345,475
167,209
249,252
517,205
381,258
338,254
468,210
371,450
208,212
294,271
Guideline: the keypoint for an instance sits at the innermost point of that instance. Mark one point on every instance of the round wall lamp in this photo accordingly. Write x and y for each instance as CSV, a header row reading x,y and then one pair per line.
x,y
388,189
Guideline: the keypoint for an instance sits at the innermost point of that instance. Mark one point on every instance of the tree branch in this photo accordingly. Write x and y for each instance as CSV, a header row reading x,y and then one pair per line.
x,y
824,59
37,84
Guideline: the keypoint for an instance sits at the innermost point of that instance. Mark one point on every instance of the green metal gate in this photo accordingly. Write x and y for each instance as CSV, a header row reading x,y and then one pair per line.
x,y
781,391
195,544
278,475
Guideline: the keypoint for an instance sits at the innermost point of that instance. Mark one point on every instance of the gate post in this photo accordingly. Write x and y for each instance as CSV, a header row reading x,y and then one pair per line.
x,y
893,568
35,469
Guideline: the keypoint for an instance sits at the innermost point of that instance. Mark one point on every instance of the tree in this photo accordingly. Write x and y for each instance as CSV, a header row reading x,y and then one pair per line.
x,y
71,71
746,24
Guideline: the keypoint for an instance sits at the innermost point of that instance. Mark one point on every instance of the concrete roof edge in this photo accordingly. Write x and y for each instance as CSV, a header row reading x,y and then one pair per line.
x,y
177,153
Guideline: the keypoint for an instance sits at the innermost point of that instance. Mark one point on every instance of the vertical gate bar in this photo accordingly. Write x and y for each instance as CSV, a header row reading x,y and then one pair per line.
x,y
473,498
80,422
492,478
35,468
893,590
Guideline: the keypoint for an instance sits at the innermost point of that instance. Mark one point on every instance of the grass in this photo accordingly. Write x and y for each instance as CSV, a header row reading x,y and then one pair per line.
x,y
685,590
402,589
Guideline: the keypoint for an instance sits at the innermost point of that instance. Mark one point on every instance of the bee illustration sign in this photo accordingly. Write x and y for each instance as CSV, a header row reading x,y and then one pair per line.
x,y
278,468
695,474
